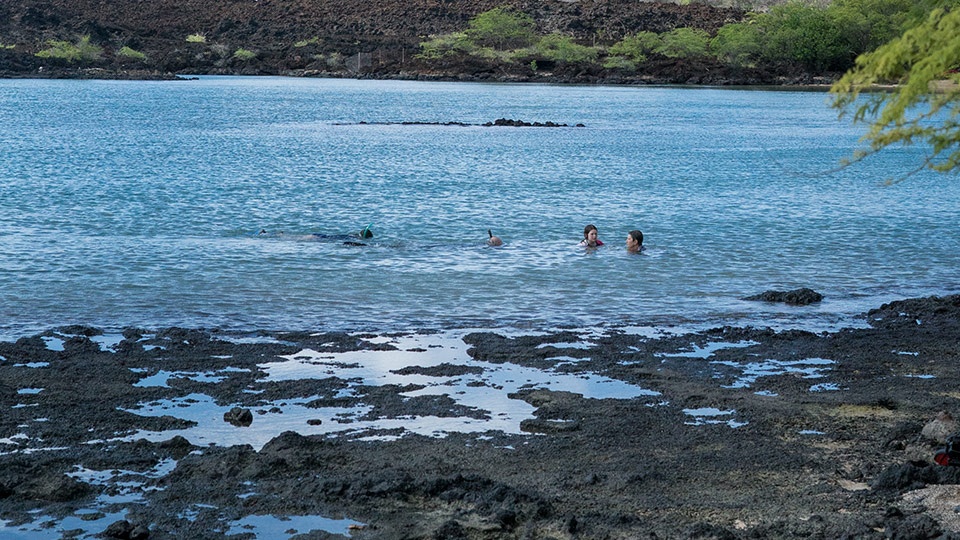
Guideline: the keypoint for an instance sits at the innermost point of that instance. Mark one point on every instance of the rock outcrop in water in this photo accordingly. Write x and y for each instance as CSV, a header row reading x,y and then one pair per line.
x,y
796,297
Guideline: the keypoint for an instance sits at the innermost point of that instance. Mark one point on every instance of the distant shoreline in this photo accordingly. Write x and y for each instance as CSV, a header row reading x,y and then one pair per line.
x,y
797,83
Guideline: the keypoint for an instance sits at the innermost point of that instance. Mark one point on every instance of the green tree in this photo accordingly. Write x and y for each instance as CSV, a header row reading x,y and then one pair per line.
x,y
925,106
561,48
805,34
502,28
737,43
635,48
867,24
683,43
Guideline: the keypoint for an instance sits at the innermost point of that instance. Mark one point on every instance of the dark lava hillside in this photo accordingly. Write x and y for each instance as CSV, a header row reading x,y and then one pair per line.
x,y
370,38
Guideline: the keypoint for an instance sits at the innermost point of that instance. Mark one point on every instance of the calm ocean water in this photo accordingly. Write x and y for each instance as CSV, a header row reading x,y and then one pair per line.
x,y
138,203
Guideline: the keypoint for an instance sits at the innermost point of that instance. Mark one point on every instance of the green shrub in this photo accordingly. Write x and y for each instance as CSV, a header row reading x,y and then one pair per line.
x,y
127,52
560,48
196,38
495,55
619,62
683,43
446,45
244,54
82,51
635,48
303,43
867,24
501,28
805,34
7,47
737,44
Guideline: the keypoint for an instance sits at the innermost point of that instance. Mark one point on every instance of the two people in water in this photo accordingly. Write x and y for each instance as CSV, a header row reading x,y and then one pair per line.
x,y
592,240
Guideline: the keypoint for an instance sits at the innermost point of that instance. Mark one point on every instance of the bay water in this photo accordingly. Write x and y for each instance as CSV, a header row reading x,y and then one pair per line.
x,y
133,203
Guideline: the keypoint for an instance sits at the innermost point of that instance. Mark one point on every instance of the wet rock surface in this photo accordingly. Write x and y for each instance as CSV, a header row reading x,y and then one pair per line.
x,y
747,433
796,297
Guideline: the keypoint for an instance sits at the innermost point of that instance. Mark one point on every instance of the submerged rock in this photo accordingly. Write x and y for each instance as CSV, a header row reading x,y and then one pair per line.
x,y
796,297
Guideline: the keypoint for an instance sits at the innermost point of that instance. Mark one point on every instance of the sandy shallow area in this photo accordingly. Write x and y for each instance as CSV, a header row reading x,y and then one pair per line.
x,y
613,433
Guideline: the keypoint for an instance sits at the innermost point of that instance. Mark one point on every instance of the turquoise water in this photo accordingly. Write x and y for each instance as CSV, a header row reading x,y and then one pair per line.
x,y
138,203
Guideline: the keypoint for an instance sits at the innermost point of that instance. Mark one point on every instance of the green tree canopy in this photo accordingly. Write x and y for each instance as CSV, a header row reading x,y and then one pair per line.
x,y
502,28
636,47
683,43
561,48
867,24
737,43
925,105
806,34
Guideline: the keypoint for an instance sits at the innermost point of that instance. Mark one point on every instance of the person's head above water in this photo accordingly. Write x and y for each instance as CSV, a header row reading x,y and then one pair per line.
x,y
634,241
366,232
493,240
591,236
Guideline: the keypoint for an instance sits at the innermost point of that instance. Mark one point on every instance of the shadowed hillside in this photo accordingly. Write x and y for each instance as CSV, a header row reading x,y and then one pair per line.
x,y
372,38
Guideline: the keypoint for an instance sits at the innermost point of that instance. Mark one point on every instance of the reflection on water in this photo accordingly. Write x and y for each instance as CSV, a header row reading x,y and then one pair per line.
x,y
482,388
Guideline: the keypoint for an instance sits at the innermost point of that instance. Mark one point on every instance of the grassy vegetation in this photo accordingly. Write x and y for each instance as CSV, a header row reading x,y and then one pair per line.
x,y
131,54
244,54
196,38
303,43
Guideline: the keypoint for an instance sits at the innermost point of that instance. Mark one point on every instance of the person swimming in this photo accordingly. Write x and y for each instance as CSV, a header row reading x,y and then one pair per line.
x,y
634,241
590,237
494,241
351,239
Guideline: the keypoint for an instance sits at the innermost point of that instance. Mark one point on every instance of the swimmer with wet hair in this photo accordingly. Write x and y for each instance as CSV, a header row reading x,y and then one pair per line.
x,y
635,241
590,237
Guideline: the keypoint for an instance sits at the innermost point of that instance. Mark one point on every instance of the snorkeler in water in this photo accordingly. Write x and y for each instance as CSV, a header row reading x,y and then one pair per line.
x,y
494,241
351,239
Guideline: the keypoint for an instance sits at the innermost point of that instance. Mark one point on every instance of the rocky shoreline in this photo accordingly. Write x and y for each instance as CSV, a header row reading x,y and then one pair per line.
x,y
729,433
680,77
